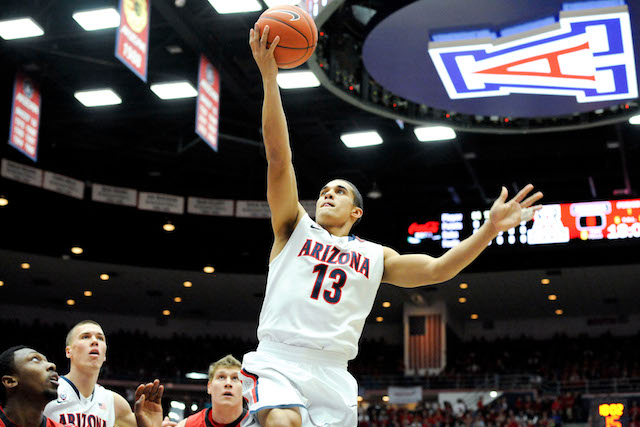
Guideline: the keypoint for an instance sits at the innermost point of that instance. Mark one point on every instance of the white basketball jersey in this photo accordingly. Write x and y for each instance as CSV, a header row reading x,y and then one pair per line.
x,y
320,290
71,407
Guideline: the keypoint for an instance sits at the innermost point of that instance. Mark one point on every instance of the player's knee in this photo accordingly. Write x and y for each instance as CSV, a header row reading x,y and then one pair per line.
x,y
286,417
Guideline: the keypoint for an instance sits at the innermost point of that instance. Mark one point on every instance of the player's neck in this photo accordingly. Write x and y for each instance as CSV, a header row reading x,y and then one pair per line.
x,y
24,412
224,414
338,230
84,380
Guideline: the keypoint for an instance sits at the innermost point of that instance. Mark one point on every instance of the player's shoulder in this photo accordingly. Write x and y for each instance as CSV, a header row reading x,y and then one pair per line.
x,y
120,404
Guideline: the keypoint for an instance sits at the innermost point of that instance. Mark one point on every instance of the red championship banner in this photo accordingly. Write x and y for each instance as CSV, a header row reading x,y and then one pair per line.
x,y
132,37
208,103
25,116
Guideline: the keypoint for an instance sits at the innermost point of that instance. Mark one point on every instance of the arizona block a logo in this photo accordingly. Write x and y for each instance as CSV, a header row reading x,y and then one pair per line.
x,y
587,54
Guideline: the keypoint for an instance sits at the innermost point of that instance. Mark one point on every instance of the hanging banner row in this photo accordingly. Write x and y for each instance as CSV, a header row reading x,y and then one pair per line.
x,y
132,48
122,196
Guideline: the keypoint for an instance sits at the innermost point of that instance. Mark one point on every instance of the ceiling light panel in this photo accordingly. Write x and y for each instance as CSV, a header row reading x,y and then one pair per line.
x,y
98,97
297,80
434,133
174,90
361,139
99,19
20,29
235,6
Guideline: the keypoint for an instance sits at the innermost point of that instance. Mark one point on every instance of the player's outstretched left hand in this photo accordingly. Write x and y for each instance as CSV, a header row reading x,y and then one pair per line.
x,y
505,215
148,407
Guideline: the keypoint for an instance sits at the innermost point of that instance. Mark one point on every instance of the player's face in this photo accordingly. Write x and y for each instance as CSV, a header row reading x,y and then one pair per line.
x,y
88,348
225,387
35,377
335,205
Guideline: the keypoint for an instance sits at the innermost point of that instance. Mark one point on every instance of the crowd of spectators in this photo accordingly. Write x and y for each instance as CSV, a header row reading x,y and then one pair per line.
x,y
556,359
138,355
131,355
515,411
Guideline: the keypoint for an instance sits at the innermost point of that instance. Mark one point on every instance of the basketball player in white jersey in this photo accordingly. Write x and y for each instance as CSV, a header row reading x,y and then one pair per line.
x,y
322,282
84,403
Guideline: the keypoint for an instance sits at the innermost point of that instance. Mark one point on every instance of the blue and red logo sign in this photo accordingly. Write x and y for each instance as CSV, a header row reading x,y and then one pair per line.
x,y
587,54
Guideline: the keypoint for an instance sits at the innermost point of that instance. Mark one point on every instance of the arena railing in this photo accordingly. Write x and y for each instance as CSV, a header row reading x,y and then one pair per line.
x,y
502,382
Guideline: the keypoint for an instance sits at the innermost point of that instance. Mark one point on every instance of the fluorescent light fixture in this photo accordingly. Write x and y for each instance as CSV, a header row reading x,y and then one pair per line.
x,y
361,139
98,19
297,80
197,376
98,97
174,90
235,6
272,3
20,29
434,133
635,120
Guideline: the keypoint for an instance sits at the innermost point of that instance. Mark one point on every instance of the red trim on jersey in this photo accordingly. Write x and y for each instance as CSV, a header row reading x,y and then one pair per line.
x,y
46,422
204,418
254,389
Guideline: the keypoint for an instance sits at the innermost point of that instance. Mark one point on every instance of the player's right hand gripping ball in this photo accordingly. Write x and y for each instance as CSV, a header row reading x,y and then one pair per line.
x,y
297,31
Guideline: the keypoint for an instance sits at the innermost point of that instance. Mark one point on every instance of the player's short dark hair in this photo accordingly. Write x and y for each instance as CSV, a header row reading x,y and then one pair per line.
x,y
7,367
72,331
357,198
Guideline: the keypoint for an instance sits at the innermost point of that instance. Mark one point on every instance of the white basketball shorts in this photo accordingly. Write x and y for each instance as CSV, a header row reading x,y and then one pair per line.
x,y
316,382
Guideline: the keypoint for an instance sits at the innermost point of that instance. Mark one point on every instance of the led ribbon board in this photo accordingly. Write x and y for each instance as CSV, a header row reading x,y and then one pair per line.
x,y
554,223
587,54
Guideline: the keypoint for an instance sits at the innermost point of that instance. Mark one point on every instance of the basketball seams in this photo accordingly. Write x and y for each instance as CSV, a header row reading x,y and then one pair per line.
x,y
293,28
315,33
286,47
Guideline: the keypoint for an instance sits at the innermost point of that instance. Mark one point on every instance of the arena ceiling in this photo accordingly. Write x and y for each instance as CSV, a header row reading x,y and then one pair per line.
x,y
149,144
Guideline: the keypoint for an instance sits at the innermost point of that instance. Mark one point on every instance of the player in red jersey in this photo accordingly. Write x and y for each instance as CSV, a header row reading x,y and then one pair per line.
x,y
30,381
225,389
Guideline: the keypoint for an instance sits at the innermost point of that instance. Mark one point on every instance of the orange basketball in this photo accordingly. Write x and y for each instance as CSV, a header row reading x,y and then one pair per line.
x,y
297,31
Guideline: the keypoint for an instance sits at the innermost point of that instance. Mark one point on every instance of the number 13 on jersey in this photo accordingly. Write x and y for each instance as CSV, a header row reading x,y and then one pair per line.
x,y
338,275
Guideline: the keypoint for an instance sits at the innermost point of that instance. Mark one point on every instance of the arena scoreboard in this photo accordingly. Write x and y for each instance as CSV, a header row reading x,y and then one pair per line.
x,y
553,224
609,413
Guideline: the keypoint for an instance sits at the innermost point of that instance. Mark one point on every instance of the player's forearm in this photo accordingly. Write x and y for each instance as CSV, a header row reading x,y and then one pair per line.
x,y
274,124
460,256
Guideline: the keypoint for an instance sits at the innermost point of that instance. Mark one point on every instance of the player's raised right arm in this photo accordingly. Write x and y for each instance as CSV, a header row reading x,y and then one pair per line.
x,y
282,190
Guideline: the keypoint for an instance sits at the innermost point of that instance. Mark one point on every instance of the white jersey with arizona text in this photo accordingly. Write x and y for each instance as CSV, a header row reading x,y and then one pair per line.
x,y
71,407
320,290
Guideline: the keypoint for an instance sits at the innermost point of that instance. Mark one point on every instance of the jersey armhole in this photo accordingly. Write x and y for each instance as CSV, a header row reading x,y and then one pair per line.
x,y
305,218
